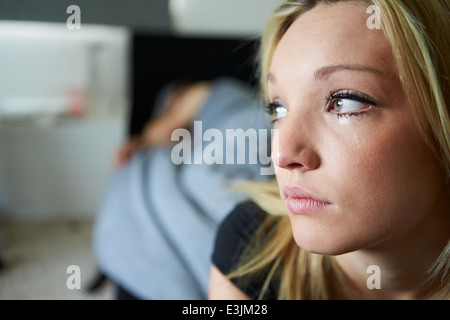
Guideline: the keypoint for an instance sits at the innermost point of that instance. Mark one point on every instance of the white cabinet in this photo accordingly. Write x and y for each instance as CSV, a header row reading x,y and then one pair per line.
x,y
52,164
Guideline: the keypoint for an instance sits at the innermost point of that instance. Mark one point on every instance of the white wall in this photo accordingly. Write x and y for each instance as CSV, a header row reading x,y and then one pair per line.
x,y
59,168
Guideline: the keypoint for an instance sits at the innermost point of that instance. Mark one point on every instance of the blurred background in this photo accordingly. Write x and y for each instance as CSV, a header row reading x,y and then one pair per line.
x,y
65,108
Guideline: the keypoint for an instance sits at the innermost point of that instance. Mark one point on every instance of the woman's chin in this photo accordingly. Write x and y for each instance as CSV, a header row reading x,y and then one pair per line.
x,y
325,243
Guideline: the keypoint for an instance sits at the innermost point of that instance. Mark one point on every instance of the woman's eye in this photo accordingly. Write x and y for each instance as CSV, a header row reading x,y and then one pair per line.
x,y
276,111
346,106
348,103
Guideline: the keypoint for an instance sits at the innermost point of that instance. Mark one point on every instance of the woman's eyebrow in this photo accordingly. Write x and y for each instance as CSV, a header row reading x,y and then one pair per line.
x,y
325,71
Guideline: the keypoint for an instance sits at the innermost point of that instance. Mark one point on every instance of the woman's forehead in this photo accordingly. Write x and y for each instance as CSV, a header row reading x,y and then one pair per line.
x,y
334,34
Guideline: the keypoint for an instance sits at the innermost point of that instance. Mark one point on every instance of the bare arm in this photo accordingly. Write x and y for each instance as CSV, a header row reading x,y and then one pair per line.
x,y
221,288
179,112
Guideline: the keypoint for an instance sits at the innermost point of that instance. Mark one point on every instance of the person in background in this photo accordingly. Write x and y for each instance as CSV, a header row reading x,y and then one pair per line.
x,y
154,233
181,104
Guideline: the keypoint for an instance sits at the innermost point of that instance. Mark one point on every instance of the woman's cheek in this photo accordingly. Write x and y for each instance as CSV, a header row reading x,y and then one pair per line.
x,y
388,176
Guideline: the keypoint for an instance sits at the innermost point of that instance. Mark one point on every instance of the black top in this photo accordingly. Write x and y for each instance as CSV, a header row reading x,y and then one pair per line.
x,y
234,235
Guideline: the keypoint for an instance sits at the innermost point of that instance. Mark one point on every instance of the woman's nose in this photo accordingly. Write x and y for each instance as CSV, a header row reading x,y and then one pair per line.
x,y
294,146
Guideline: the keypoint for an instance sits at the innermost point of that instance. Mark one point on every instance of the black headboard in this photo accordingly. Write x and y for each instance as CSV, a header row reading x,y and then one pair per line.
x,y
160,59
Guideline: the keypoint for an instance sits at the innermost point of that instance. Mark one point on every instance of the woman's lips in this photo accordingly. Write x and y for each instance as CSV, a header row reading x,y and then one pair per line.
x,y
300,201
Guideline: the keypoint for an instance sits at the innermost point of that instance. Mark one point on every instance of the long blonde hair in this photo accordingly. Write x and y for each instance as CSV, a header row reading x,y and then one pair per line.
x,y
418,32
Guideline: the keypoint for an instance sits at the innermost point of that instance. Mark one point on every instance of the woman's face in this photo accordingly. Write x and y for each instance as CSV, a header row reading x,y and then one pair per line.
x,y
351,165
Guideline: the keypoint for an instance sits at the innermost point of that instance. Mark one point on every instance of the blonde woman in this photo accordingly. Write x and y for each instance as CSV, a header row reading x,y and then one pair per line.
x,y
359,95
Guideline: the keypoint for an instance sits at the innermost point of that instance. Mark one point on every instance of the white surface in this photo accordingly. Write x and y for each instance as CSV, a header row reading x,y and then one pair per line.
x,y
41,60
220,18
59,171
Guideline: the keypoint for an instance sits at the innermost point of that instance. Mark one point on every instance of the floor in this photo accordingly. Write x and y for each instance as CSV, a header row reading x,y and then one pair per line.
x,y
51,260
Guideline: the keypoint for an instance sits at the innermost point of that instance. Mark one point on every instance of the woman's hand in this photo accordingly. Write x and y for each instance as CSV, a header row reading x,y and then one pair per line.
x,y
126,151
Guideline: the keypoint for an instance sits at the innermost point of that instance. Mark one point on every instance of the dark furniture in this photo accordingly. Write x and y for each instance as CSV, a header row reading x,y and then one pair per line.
x,y
159,59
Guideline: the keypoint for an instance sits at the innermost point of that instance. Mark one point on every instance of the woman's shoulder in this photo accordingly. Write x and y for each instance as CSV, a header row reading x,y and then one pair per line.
x,y
245,218
234,234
